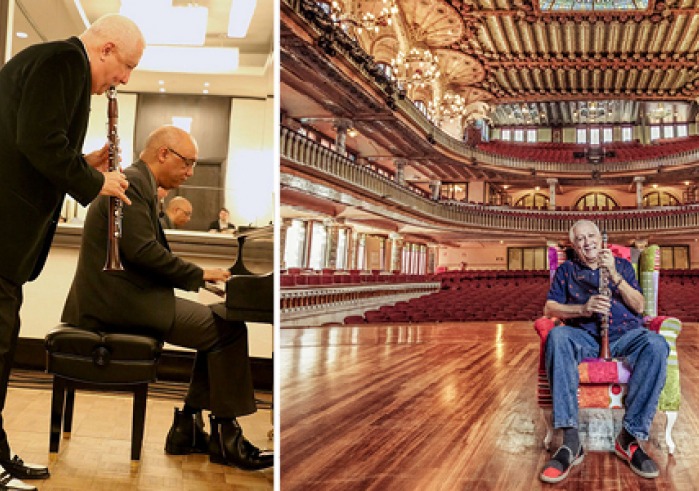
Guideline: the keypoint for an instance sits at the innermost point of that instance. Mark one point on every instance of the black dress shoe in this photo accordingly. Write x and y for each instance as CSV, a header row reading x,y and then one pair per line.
x,y
187,435
23,470
8,482
228,446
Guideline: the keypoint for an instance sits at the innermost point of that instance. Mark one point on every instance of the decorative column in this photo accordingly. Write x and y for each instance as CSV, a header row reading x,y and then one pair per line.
x,y
396,251
552,182
432,255
436,188
331,237
283,227
341,126
352,253
639,190
400,171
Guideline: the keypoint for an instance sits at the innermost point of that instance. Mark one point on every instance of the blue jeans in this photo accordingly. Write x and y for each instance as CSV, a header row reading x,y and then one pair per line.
x,y
645,352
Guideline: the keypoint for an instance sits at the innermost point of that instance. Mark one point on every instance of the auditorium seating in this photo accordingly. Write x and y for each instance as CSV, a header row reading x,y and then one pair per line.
x,y
487,295
575,153
477,295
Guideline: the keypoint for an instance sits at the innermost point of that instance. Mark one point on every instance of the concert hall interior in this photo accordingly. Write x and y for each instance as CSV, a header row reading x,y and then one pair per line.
x,y
202,72
433,157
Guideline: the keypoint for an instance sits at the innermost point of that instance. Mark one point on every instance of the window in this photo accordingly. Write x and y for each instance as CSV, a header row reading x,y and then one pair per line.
x,y
607,135
534,200
654,133
626,134
341,259
595,201
316,259
519,135
506,135
668,131
582,135
295,241
674,257
659,198
594,136
681,130
531,136
531,258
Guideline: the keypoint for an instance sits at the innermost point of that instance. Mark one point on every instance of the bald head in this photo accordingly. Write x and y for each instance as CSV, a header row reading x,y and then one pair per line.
x,y
179,210
114,46
171,154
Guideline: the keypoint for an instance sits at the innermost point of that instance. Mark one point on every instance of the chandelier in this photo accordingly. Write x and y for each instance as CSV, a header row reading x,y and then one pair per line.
x,y
367,20
416,68
451,107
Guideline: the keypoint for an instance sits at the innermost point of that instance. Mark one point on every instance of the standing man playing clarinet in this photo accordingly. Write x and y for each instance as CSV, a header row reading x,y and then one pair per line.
x,y
45,103
574,298
141,300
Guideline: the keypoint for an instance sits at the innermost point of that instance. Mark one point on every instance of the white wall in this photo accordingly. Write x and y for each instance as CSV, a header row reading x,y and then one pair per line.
x,y
250,188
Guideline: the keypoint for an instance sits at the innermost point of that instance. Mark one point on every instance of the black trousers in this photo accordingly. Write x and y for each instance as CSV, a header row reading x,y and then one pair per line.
x,y
221,378
10,303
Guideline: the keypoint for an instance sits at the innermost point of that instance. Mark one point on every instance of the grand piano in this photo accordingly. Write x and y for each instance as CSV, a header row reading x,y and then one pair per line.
x,y
249,292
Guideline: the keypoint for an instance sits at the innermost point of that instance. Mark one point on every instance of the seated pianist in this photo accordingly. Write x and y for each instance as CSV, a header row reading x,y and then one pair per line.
x,y
141,300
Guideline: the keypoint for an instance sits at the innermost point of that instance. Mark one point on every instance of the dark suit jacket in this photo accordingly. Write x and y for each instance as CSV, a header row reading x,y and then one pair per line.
x,y
44,109
215,225
139,299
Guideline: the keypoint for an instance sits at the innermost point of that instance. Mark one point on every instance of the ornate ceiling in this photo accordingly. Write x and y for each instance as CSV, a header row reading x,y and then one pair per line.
x,y
511,51
553,69
529,66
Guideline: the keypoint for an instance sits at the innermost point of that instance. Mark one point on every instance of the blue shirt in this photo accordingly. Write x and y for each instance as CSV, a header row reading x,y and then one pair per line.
x,y
574,283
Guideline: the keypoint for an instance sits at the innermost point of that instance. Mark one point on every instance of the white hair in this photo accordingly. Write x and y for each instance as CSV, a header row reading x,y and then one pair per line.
x,y
571,232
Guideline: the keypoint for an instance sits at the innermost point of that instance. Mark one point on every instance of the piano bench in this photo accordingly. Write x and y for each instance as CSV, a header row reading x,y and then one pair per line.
x,y
96,361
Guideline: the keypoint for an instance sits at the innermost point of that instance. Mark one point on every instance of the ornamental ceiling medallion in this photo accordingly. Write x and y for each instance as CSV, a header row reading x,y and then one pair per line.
x,y
459,68
432,23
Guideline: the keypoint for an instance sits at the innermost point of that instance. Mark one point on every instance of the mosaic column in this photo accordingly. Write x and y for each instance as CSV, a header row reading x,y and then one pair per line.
x,y
639,190
552,182
396,251
331,239
400,171
341,126
283,227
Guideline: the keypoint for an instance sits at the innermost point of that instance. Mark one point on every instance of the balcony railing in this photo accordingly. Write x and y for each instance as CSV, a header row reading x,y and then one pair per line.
x,y
343,45
313,159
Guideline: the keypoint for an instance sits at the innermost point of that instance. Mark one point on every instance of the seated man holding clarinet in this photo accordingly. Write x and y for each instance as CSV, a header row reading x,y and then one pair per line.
x,y
597,295
136,296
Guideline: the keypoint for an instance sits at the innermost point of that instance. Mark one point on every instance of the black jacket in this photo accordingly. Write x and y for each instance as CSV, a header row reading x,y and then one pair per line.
x,y
141,298
44,108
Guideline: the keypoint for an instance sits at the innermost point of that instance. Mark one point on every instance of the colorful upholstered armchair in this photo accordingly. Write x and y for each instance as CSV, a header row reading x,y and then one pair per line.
x,y
603,383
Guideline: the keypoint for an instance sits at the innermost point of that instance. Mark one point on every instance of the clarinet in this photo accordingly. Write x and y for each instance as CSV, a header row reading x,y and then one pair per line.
x,y
606,291
113,262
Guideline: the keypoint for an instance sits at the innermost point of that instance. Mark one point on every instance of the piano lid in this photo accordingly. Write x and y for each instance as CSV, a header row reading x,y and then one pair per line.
x,y
255,253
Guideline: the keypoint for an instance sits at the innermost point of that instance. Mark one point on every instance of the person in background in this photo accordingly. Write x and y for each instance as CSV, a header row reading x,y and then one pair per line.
x,y
222,224
178,213
141,300
45,93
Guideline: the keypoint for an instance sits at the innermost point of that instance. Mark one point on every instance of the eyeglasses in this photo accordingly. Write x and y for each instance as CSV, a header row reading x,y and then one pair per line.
x,y
189,163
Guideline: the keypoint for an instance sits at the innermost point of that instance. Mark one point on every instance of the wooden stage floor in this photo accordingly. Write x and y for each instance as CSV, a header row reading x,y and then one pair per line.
x,y
97,456
447,406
